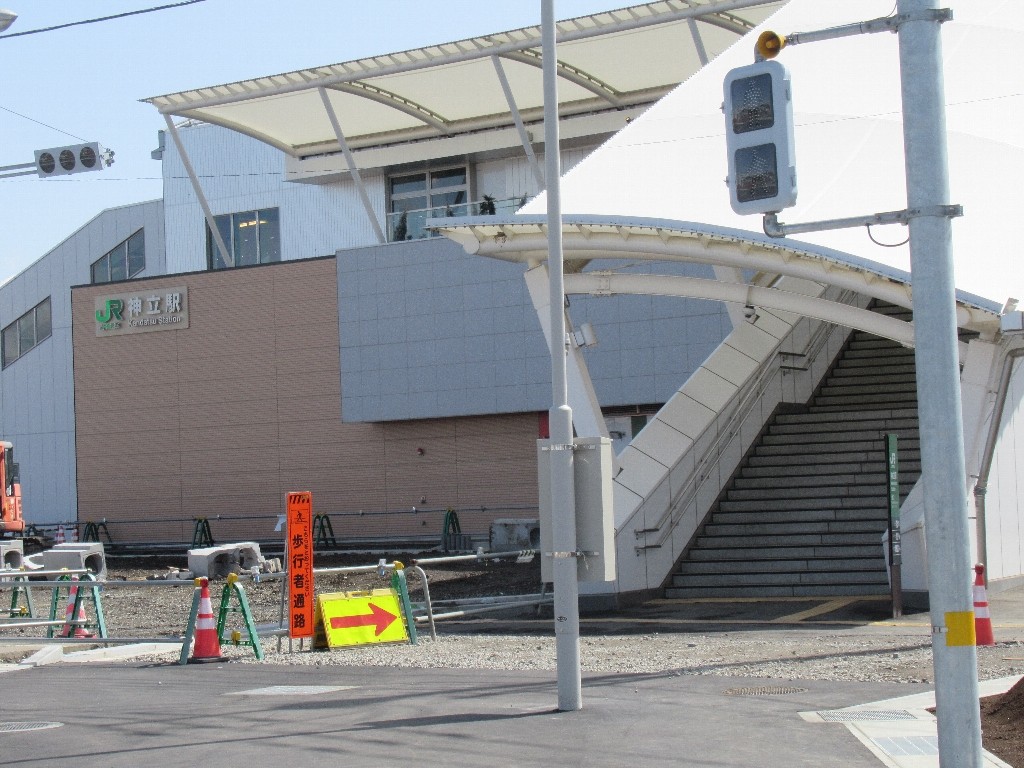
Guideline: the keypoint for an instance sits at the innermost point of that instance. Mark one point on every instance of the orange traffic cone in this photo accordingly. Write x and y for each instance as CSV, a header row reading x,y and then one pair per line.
x,y
59,538
69,629
74,534
982,618
207,647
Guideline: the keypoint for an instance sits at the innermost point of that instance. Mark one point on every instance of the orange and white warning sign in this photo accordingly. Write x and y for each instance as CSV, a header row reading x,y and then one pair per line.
x,y
300,564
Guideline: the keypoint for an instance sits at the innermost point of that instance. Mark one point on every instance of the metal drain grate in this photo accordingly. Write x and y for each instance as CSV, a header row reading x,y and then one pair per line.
x,y
852,716
764,690
13,727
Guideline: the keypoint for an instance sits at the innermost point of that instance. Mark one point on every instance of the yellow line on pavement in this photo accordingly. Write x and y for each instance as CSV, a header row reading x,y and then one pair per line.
x,y
818,610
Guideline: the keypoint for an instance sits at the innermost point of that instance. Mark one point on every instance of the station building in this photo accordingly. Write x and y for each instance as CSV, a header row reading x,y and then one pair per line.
x,y
340,291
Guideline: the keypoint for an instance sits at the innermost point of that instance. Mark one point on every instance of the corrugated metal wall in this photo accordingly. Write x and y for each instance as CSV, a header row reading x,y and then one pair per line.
x,y
226,416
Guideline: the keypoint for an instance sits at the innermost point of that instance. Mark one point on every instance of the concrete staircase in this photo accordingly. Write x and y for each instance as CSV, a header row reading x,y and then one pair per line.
x,y
805,511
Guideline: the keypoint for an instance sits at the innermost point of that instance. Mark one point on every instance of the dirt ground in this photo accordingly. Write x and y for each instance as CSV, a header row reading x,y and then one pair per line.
x,y
1002,724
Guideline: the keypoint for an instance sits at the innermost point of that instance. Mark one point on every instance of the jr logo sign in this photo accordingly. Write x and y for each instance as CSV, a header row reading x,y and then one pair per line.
x,y
110,316
147,309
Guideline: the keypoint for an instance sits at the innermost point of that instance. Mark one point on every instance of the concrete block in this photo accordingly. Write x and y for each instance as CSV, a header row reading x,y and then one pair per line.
x,y
514,534
49,654
76,556
215,562
12,553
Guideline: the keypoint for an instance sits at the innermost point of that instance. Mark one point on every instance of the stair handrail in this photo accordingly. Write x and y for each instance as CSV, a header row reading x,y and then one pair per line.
x,y
740,406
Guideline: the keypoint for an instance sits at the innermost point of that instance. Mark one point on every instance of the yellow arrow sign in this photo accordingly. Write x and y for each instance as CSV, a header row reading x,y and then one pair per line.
x,y
357,618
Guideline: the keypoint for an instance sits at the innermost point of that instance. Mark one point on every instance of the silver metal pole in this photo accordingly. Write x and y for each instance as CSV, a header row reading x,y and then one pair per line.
x,y
524,136
211,222
563,495
353,167
938,390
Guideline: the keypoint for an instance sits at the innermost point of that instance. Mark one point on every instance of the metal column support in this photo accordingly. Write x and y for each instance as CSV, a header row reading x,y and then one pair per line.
x,y
698,41
207,213
938,388
353,169
563,496
524,137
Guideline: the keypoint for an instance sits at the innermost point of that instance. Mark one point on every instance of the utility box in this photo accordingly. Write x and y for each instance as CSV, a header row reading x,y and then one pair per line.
x,y
595,518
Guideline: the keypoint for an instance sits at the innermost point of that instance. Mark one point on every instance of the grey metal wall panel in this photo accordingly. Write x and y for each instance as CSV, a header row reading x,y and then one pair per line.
x,y
428,331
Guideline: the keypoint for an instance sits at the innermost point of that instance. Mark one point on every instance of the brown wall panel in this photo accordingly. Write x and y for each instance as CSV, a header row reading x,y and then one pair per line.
x,y
228,415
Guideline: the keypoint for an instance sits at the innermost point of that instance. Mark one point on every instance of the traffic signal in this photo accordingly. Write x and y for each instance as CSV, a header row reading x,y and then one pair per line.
x,y
759,138
77,158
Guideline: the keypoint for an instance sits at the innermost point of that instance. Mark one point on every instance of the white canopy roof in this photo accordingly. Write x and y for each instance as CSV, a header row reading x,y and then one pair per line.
x,y
670,163
608,61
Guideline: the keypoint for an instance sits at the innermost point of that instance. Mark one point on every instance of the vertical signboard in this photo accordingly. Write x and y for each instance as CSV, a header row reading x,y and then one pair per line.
x,y
300,564
892,465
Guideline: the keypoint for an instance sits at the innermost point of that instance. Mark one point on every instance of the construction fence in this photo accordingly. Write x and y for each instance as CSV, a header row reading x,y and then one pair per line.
x,y
443,529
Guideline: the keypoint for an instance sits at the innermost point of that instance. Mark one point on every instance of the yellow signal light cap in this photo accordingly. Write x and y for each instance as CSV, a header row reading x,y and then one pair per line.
x,y
769,44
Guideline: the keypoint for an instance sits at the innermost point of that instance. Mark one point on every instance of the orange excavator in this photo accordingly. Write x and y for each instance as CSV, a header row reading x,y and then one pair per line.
x,y
11,521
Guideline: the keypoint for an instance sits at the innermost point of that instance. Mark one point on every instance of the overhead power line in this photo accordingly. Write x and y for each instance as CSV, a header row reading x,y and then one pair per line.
x,y
40,122
101,18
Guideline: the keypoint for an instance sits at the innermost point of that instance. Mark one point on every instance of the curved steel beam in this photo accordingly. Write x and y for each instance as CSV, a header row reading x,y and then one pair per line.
x,y
393,100
527,243
568,72
612,283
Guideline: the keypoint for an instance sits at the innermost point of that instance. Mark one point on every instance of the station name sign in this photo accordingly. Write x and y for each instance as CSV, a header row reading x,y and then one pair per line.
x,y
165,309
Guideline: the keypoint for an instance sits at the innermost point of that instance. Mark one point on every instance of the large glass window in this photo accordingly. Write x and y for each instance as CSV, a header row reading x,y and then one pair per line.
x,y
416,197
252,237
26,332
121,263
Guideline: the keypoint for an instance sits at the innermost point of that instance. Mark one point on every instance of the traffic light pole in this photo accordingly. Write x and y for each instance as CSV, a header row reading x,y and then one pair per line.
x,y
938,390
563,493
944,479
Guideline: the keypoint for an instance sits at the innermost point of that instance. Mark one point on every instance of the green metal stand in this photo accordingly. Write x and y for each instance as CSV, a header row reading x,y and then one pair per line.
x,y
452,537
100,624
233,587
190,630
21,588
323,532
398,583
202,536
92,532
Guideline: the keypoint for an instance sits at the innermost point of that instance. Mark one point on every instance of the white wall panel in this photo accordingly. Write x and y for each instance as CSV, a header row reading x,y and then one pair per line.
x,y
36,390
1004,509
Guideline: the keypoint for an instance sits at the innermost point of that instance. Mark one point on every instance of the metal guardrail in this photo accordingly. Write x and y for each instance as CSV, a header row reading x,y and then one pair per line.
x,y
423,612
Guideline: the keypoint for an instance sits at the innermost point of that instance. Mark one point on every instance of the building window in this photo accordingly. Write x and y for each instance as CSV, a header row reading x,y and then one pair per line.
x,y
26,332
251,237
416,197
123,262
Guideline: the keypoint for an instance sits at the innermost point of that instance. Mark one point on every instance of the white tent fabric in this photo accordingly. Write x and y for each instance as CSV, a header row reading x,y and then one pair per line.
x,y
608,61
671,162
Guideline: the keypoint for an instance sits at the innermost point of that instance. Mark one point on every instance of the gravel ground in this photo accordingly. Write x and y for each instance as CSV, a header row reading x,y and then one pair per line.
x,y
524,641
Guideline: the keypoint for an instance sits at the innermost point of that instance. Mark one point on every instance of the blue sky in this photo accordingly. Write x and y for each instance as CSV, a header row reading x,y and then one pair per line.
x,y
87,80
